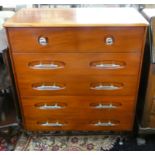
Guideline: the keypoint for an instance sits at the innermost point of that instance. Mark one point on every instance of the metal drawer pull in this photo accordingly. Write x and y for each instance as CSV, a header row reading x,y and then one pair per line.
x,y
43,41
56,124
48,86
46,65
106,106
105,86
107,64
109,123
109,41
46,107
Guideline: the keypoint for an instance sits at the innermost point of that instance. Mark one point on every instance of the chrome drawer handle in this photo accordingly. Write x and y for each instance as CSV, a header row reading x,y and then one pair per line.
x,y
109,123
105,87
104,106
47,107
52,86
49,87
109,41
56,124
46,65
43,41
107,64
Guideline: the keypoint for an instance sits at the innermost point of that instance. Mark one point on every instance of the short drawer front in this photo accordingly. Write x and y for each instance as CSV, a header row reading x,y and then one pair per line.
x,y
112,123
45,107
86,39
75,63
77,85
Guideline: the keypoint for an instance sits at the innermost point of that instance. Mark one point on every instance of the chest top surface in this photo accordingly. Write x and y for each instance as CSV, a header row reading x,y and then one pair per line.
x,y
74,17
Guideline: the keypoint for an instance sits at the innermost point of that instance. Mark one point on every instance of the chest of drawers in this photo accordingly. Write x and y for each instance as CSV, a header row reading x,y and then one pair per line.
x,y
77,69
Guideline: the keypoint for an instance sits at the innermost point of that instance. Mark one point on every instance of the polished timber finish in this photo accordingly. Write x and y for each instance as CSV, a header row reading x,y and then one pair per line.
x,y
77,39
73,17
77,69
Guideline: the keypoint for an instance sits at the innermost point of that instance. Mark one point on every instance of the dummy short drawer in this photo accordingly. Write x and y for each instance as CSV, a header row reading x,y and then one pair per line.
x,y
84,39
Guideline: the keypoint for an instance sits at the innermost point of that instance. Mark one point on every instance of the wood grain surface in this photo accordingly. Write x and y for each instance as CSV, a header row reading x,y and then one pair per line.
x,y
76,63
87,39
75,42
73,17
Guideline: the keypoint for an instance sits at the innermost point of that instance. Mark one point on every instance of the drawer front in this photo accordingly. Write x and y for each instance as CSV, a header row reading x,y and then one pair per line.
x,y
86,39
77,85
75,63
46,107
119,123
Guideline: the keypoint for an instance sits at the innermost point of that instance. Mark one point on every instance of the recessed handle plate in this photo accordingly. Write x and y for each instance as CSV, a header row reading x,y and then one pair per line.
x,y
109,40
43,41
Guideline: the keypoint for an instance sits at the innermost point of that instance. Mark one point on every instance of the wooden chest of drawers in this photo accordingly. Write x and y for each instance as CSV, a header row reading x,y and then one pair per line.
x,y
77,69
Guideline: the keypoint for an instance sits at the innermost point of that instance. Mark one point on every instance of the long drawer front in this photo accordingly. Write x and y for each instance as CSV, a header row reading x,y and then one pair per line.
x,y
77,85
84,39
75,64
111,123
76,106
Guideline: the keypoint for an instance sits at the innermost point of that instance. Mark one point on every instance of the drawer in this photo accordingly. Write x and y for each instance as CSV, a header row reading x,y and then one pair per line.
x,y
118,123
77,85
46,107
77,39
75,63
